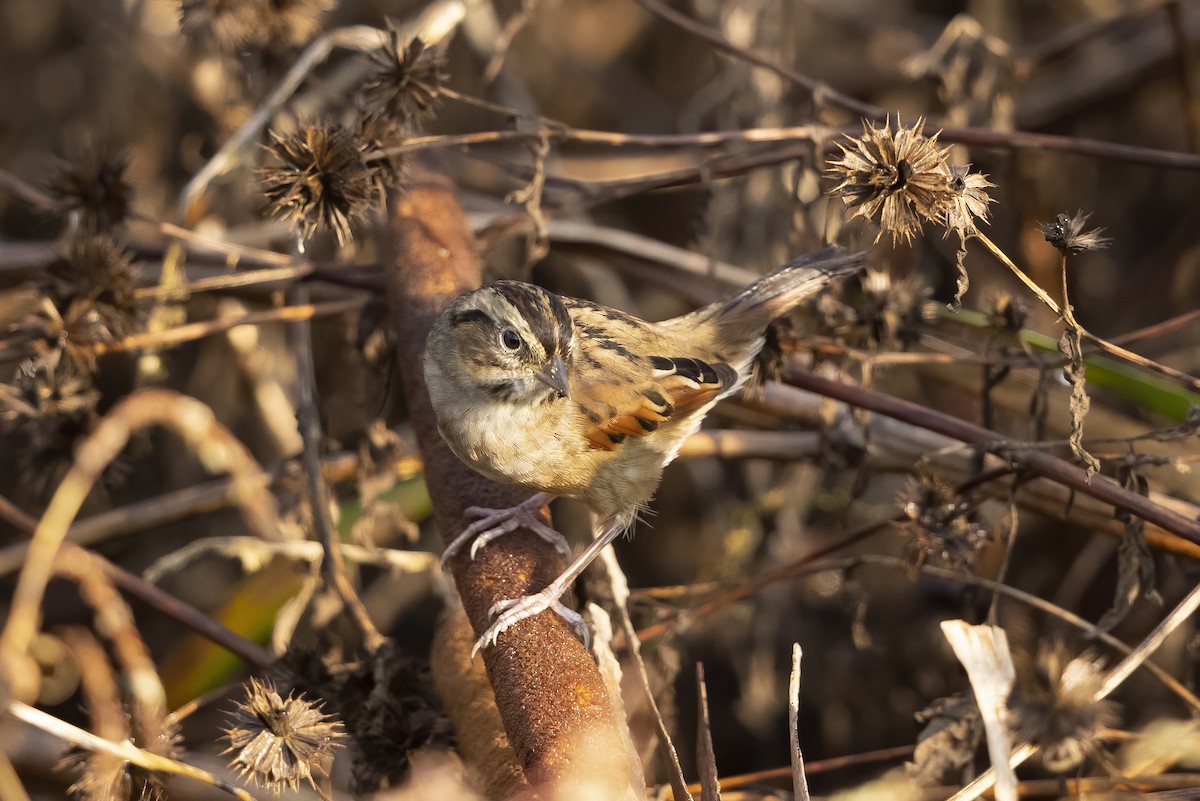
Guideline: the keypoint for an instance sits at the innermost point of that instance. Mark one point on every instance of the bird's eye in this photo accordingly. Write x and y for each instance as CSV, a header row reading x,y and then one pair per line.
x,y
510,339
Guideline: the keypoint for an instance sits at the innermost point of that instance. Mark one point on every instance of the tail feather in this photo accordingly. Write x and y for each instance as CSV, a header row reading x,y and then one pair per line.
x,y
746,315
777,293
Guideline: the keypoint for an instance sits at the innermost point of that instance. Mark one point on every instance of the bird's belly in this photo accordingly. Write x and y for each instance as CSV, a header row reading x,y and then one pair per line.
x,y
521,445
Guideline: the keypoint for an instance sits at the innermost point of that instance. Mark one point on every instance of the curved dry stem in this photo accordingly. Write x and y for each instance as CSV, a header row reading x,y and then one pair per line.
x,y
216,448
114,618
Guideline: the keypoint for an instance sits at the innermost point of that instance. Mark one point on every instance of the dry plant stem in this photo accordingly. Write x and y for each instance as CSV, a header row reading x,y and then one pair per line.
x,y
238,280
562,133
549,692
1067,40
710,787
822,93
799,781
984,781
1187,71
309,420
809,565
981,137
216,448
186,333
114,618
897,445
783,137
151,595
1064,311
620,590
1038,462
10,782
122,750
1157,329
1151,643
433,24
815,766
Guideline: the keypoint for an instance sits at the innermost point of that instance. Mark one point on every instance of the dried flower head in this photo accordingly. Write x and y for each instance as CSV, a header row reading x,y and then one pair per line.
x,y
406,84
279,742
953,727
95,273
896,178
1054,706
233,25
1007,313
1066,233
941,524
968,201
877,311
43,412
323,180
103,777
90,185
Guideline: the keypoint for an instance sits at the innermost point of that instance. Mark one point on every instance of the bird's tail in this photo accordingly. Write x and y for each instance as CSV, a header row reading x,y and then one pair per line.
x,y
754,307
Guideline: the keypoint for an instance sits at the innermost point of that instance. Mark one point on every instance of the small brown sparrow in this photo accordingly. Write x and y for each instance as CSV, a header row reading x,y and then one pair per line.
x,y
578,400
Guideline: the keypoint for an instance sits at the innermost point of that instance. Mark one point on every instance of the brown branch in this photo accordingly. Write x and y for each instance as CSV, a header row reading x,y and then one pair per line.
x,y
550,695
821,92
333,566
1043,464
212,443
156,598
1016,140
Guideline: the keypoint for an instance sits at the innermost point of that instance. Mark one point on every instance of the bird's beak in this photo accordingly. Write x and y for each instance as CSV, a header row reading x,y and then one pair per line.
x,y
554,375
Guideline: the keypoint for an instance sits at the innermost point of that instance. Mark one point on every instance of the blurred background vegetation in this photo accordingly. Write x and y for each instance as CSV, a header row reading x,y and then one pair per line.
x,y
109,109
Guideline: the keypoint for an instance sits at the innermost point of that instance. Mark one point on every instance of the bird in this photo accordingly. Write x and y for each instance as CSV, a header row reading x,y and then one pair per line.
x,y
573,399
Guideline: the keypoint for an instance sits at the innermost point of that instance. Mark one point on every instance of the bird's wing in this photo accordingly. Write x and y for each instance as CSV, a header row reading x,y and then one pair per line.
x,y
660,393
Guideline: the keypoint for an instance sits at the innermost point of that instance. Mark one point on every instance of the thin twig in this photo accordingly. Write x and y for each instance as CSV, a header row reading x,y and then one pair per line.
x,y
333,566
809,565
206,328
1151,643
433,24
822,92
1100,487
192,420
122,750
799,780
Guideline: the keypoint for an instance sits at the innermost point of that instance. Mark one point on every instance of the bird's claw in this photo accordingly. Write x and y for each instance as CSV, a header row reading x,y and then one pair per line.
x,y
495,523
510,612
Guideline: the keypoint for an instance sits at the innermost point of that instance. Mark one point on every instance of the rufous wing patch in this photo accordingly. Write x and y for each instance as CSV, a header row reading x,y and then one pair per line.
x,y
679,386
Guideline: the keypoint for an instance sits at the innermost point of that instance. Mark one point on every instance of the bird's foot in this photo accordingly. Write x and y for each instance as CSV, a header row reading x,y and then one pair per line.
x,y
495,523
508,613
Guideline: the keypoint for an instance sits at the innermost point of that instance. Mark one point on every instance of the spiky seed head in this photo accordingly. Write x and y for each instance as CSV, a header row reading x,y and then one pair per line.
x,y
279,742
90,183
322,180
407,80
896,178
